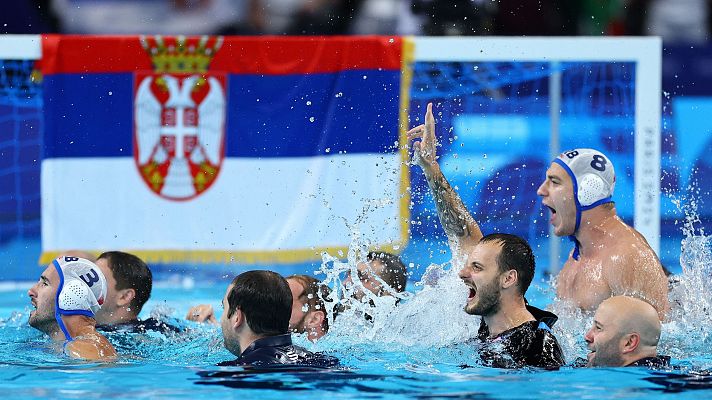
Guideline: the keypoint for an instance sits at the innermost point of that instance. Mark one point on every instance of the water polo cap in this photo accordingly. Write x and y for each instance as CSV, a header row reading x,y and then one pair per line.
x,y
593,178
82,289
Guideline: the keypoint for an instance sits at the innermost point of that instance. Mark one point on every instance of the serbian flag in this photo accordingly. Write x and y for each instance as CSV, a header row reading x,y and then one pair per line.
x,y
211,149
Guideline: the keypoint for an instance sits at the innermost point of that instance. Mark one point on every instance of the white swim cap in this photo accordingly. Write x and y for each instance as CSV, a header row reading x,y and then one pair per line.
x,y
592,174
593,178
82,289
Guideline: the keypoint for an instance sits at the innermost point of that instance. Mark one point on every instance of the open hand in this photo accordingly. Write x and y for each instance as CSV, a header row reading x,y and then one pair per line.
x,y
424,147
203,313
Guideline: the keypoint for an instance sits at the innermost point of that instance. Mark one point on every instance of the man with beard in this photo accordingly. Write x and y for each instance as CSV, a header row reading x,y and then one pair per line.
x,y
512,334
255,324
609,258
68,293
625,333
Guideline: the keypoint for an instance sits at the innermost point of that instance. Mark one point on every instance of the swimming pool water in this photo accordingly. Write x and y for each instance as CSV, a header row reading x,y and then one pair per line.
x,y
375,366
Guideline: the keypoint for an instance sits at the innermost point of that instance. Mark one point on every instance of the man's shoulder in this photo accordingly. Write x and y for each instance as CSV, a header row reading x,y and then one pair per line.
x,y
655,362
529,344
90,347
545,351
142,326
280,351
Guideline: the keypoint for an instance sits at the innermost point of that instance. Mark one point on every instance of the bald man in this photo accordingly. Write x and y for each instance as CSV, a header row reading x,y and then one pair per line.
x,y
625,333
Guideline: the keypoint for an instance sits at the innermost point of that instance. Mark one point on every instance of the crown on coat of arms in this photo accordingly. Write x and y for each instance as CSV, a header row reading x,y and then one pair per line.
x,y
181,55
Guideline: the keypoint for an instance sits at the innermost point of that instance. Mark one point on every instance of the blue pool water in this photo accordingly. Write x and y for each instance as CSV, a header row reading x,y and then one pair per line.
x,y
417,352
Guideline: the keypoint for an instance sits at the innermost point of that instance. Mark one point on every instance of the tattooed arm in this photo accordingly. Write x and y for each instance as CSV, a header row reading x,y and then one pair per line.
x,y
461,228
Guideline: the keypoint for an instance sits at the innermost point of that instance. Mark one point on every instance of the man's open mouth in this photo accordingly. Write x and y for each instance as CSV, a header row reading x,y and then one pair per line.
x,y
471,294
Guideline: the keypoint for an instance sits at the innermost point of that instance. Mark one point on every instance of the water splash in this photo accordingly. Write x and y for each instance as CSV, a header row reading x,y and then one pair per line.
x,y
431,317
689,331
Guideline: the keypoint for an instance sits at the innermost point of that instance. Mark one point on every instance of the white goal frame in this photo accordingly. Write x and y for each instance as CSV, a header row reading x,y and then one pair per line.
x,y
645,52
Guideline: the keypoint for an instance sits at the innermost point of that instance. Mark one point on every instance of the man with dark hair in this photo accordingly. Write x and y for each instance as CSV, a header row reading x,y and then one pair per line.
x,y
309,313
129,281
512,334
255,323
384,274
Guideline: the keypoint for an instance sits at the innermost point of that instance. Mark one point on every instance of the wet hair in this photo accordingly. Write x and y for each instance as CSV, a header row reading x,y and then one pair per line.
x,y
394,271
130,272
516,254
265,299
313,294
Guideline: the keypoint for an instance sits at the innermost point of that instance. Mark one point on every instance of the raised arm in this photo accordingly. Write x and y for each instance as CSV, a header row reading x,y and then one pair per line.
x,y
462,231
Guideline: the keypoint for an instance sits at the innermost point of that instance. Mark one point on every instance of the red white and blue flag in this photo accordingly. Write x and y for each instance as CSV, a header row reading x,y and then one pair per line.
x,y
256,149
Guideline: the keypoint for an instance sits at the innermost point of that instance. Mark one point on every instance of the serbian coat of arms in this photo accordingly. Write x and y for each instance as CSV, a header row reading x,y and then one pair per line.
x,y
179,117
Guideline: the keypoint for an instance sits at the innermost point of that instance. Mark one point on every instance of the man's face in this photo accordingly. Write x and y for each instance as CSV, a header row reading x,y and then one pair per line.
x,y
230,336
42,296
604,339
367,273
557,193
106,314
481,274
300,309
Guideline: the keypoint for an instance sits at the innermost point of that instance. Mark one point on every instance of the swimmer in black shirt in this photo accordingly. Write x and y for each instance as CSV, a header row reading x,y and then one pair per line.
x,y
512,334
129,283
255,324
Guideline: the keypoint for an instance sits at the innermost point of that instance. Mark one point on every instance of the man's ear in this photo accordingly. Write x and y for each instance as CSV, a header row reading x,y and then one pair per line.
x,y
631,342
314,319
125,297
238,320
509,278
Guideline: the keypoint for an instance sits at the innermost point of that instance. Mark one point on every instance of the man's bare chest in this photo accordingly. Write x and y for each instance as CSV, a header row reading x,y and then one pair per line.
x,y
583,283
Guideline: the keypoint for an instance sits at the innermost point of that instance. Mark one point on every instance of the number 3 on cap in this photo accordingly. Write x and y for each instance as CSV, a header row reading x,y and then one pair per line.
x,y
90,278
